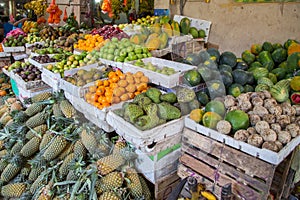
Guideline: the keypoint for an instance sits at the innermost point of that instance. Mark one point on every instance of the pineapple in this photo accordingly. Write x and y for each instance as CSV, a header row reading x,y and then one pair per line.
x,y
34,173
10,171
3,153
31,147
72,176
40,130
109,196
34,109
146,190
65,167
79,149
109,163
37,184
111,181
134,185
67,108
55,148
25,171
120,144
36,120
67,150
41,97
3,163
57,111
1,144
20,117
16,148
89,141
47,137
13,190
5,118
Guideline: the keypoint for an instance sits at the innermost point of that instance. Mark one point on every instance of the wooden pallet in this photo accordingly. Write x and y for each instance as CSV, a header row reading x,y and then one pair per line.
x,y
217,164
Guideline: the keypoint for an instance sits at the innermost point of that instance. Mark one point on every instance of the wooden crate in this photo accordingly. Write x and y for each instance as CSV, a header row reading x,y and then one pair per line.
x,y
216,164
164,187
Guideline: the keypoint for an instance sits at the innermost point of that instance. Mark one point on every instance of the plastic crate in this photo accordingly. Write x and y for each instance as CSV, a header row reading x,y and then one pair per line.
x,y
158,78
40,65
4,54
112,63
27,85
263,154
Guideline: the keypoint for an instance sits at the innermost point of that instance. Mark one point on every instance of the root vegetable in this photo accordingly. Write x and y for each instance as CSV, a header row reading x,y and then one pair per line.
x,y
260,110
267,94
276,127
233,108
269,135
287,109
255,140
269,118
271,146
258,94
276,110
293,129
254,119
245,106
262,126
293,119
279,144
257,101
283,120
284,137
224,127
251,130
241,135
297,109
268,103
243,97
229,101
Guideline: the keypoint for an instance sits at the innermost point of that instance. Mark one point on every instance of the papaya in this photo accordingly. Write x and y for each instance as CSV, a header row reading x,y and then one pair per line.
x,y
175,28
294,47
210,119
152,43
136,39
196,115
163,37
155,28
185,25
194,32
167,29
216,106
248,57
293,62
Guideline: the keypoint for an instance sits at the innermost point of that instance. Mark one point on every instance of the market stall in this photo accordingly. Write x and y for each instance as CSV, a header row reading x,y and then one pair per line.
x,y
145,110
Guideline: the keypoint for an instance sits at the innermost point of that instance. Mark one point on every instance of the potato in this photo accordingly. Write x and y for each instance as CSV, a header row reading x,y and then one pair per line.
x,y
269,118
269,103
229,101
255,140
276,127
257,101
283,120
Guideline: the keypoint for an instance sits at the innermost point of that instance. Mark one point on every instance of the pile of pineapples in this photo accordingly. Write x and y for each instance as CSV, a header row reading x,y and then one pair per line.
x,y
49,151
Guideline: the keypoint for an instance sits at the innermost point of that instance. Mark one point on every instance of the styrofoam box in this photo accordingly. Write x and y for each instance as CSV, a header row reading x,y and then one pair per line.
x,y
51,80
6,72
77,51
30,93
160,52
26,85
154,169
143,138
36,54
73,89
40,65
13,49
197,23
112,63
158,78
27,45
263,154
4,54
179,39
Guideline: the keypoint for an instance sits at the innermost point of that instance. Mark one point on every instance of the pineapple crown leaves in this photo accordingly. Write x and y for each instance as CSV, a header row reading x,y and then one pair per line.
x,y
18,159
38,161
20,117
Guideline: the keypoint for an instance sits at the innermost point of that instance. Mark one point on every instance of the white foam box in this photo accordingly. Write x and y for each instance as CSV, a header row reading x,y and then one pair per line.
x,y
263,154
112,63
40,65
77,51
197,23
168,81
4,54
6,72
141,139
157,166
26,85
52,79
27,45
13,49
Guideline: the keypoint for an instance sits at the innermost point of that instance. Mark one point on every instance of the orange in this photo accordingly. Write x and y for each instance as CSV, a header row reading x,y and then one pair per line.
x,y
137,93
111,74
131,95
142,86
105,104
94,97
137,80
109,99
88,96
100,90
122,77
98,82
114,79
106,83
119,73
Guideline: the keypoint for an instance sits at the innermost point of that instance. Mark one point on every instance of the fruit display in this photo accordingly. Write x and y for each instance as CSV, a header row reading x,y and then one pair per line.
x,y
159,69
15,38
33,38
49,50
186,28
83,77
123,51
15,65
90,42
39,7
29,72
66,42
51,33
44,59
150,109
148,20
72,62
108,31
254,117
56,153
118,87
30,27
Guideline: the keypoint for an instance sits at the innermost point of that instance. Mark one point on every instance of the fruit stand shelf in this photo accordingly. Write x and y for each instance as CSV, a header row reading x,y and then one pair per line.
x,y
13,49
263,154
40,65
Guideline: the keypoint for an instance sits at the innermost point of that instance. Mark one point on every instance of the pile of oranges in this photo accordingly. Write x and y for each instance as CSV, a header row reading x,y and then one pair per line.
x,y
90,42
118,87
1,48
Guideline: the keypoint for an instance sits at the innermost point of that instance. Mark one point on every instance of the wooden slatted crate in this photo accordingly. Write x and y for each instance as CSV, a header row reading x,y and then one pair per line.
x,y
164,187
216,164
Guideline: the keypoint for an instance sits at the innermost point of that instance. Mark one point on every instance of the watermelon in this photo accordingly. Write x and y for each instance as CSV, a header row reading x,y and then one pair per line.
x,y
279,55
216,106
260,72
228,58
